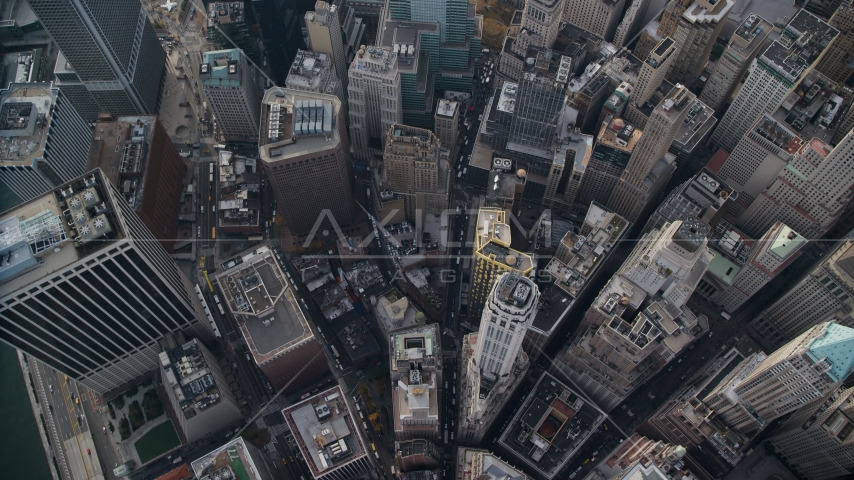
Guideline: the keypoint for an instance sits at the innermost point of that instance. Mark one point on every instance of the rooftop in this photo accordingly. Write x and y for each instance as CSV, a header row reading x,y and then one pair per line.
x,y
775,132
416,402
800,44
697,124
25,115
231,460
552,425
264,305
507,98
296,123
394,311
814,108
415,345
619,135
310,71
492,240
447,108
220,13
51,232
404,36
731,242
120,148
325,431
190,378
220,68
836,347
239,201
478,464
750,35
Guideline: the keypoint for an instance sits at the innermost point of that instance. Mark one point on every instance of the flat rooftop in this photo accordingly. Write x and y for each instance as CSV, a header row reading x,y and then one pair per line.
x,y
263,303
800,44
552,425
492,240
447,108
507,98
221,68
190,378
750,35
309,70
325,431
296,123
231,460
51,232
121,151
697,124
477,464
405,36
619,135
25,116
814,108
417,344
221,13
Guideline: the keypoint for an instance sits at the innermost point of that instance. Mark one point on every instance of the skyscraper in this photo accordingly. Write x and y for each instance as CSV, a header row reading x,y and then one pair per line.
x,y
314,72
280,27
774,74
227,27
87,289
653,70
826,427
447,122
539,27
628,27
31,161
650,166
416,377
137,156
743,47
374,99
493,256
810,193
493,362
836,63
414,166
324,34
639,321
438,42
696,33
231,85
599,17
614,147
825,293
116,61
303,144
761,389
705,196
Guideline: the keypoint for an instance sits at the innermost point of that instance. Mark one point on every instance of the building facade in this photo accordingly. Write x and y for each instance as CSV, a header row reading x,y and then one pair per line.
x,y
614,146
836,64
446,123
698,29
374,99
299,154
315,72
231,86
30,111
325,36
112,60
90,291
599,17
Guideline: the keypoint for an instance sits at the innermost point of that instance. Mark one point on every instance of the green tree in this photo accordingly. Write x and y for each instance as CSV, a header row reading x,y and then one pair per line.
x,y
135,414
119,402
124,428
151,404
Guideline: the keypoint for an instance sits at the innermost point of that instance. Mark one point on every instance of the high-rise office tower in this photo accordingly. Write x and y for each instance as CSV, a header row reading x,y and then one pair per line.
x,y
654,69
628,27
705,196
666,27
446,123
836,63
416,375
303,144
227,27
761,389
31,161
639,321
809,194
698,28
614,146
374,99
825,293
280,27
535,124
115,62
493,362
774,74
826,427
742,266
730,68
87,289
325,36
438,42
493,256
314,72
413,165
539,27
651,166
138,158
599,17
270,320
231,86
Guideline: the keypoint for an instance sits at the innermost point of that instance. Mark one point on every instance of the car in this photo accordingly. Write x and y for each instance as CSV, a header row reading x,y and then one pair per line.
x,y
50,387
88,452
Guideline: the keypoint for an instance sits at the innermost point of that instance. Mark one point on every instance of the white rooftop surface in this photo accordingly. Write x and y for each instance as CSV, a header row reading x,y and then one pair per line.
x,y
446,108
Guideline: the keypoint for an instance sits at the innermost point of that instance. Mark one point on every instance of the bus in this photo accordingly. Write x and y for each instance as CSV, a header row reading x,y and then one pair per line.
x,y
221,311
213,233
334,351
